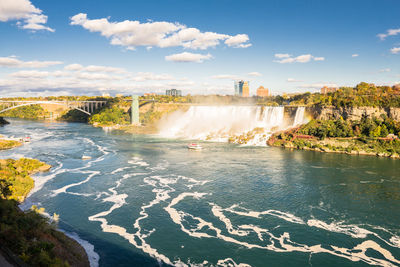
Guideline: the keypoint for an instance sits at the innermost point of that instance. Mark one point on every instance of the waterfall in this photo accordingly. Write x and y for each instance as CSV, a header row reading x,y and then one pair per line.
x,y
299,118
219,123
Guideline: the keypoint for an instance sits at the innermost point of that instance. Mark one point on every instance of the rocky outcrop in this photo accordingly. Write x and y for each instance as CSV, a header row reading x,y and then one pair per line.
x,y
352,113
3,121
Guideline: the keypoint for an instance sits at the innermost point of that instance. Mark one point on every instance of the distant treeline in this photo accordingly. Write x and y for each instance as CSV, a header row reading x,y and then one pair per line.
x,y
363,95
26,112
117,109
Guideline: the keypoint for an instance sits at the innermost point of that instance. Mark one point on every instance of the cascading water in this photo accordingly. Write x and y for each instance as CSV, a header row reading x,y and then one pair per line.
x,y
219,123
299,118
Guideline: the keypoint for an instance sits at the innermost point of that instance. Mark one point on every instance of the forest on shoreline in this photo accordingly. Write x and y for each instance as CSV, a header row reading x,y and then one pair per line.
x,y
30,237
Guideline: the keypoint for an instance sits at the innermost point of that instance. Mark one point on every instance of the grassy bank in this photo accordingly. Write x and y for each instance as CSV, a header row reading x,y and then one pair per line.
x,y
8,144
28,236
376,136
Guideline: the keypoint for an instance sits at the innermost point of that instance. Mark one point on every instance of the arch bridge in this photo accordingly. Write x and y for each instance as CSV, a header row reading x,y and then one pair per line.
x,y
87,107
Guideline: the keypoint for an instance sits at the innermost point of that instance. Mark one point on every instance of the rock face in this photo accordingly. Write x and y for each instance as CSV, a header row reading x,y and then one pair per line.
x,y
354,113
3,121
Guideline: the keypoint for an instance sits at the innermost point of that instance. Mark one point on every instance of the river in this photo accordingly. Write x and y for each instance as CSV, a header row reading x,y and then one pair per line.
x,y
142,200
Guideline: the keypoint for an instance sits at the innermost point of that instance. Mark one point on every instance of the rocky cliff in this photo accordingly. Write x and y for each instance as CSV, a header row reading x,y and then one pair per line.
x,y
352,113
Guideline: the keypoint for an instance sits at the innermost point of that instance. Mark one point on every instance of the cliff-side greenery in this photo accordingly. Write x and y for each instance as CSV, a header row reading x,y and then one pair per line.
x,y
369,136
7,144
28,235
74,115
27,112
366,127
110,115
15,179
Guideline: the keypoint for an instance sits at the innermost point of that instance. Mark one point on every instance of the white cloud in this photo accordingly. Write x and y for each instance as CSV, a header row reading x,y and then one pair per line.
x,y
131,34
395,50
385,70
27,15
30,74
225,77
354,55
96,76
291,80
238,40
74,67
390,32
188,57
94,68
13,62
286,58
282,55
149,76
254,74
63,82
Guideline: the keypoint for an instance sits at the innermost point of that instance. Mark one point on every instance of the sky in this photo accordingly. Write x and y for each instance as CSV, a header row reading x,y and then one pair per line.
x,y
82,47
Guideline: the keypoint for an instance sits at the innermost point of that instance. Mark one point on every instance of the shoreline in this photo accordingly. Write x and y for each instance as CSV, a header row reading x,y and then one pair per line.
x,y
92,257
64,242
339,145
355,153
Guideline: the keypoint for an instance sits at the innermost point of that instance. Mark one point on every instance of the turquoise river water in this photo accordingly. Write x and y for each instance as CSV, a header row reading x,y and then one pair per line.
x,y
149,201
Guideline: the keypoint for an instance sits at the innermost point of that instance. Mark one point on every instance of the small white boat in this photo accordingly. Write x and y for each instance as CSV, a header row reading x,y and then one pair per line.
x,y
85,157
195,146
25,139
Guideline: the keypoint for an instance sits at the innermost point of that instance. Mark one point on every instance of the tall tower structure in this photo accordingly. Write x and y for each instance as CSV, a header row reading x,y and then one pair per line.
x,y
242,88
135,110
246,89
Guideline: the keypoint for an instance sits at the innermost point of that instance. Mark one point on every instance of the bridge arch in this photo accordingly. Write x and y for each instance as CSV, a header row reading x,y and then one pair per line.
x,y
47,103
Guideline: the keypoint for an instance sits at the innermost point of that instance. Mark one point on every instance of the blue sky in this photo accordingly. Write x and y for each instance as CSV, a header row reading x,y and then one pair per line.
x,y
91,47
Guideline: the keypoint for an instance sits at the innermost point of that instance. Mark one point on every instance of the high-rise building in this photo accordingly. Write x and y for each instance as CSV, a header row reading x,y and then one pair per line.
x,y
173,92
242,88
262,92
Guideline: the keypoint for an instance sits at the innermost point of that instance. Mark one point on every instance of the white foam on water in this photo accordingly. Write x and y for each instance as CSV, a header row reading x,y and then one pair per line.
x,y
338,227
229,262
120,170
138,161
276,213
41,180
65,188
119,201
281,243
217,212
161,187
89,248
81,170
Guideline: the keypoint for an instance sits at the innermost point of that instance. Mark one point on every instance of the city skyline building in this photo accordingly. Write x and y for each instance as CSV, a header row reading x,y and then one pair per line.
x,y
262,92
173,92
242,88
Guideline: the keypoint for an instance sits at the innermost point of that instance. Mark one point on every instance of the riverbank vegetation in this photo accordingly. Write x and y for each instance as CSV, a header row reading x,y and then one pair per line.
x,y
8,144
369,136
113,114
33,112
15,176
28,236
